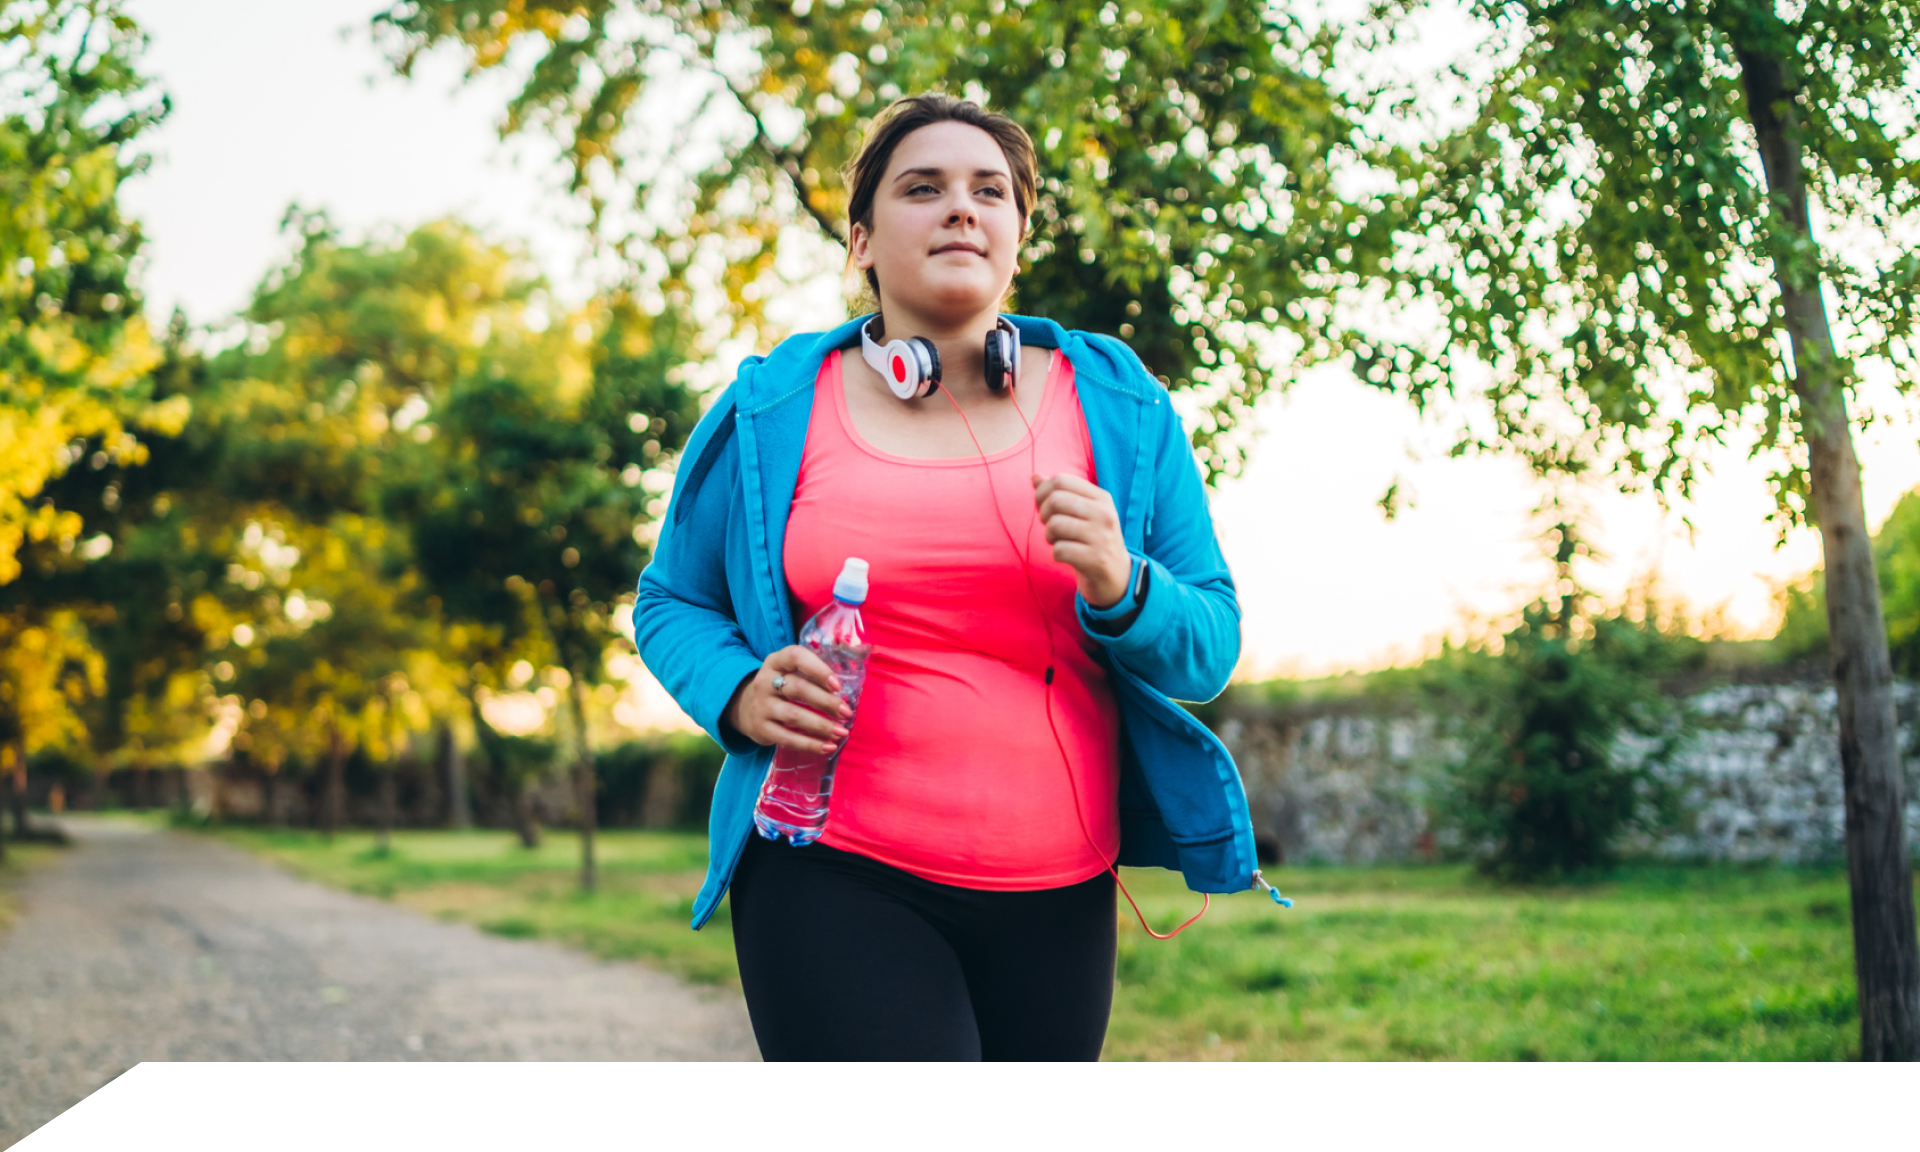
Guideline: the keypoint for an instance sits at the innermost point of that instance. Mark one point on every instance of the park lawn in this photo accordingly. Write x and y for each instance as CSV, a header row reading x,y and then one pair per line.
x,y
1655,963
1435,963
645,900
20,857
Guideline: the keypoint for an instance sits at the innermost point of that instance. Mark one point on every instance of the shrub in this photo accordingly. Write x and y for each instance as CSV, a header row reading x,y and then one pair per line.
x,y
1543,785
1896,559
633,793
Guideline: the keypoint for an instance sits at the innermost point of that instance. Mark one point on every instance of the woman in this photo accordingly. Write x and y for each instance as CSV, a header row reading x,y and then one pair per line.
x,y
1045,581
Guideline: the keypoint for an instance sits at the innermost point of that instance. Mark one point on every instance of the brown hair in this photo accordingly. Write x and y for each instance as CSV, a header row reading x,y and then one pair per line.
x,y
904,116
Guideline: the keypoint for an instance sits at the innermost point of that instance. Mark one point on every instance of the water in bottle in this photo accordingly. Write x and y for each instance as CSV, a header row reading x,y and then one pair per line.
x,y
793,801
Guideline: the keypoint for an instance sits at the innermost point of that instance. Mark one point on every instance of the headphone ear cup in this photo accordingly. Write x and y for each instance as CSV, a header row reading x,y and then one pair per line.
x,y
908,371
929,365
998,359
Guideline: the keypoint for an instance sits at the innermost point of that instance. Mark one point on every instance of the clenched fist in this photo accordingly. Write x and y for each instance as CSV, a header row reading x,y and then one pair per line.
x,y
1084,529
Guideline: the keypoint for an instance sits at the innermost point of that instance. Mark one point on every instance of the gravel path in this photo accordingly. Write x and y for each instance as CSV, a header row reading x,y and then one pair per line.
x,y
146,945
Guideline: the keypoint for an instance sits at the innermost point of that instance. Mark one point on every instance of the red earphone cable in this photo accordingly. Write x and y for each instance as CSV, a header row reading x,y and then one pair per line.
x,y
1053,662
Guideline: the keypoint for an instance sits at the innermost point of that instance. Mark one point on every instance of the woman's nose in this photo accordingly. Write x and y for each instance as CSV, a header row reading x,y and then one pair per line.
x,y
961,213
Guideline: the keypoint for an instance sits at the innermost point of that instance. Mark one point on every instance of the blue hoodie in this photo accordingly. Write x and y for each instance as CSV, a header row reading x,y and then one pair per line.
x,y
713,603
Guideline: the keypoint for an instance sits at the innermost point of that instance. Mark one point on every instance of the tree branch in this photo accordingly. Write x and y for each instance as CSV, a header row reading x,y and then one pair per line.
x,y
789,161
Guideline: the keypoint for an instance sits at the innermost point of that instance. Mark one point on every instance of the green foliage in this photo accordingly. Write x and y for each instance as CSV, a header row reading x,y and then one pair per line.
x,y
518,759
629,777
1542,786
74,349
433,478
152,519
1896,557
1204,191
1601,235
529,520
76,399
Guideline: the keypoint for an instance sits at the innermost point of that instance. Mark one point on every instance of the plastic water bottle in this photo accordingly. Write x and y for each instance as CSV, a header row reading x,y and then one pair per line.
x,y
794,799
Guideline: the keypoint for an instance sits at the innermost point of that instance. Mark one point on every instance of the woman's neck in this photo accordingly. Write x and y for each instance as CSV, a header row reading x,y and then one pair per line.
x,y
962,344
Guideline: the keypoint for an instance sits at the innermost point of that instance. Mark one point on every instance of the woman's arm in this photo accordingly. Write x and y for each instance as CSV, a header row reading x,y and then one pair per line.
x,y
1185,636
683,619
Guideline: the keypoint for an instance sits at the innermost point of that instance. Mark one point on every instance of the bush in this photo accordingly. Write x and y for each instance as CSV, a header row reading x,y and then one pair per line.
x,y
661,781
1543,785
1896,559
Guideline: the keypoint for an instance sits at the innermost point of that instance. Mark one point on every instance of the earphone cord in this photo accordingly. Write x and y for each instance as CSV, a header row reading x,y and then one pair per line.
x,y
1046,626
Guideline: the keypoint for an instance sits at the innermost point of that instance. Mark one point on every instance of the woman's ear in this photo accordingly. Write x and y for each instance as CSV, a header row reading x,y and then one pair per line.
x,y
860,247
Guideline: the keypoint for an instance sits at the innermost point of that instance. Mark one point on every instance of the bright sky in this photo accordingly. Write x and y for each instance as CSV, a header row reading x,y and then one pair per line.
x,y
284,102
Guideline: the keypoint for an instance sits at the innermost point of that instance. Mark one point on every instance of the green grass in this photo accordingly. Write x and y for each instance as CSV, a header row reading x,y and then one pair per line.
x,y
1410,963
20,857
1434,963
647,884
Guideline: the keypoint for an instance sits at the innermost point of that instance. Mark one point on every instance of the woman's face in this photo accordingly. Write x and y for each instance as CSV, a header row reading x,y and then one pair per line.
x,y
945,236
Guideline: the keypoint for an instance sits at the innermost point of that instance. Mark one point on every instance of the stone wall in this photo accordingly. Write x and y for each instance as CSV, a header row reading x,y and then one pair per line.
x,y
1760,779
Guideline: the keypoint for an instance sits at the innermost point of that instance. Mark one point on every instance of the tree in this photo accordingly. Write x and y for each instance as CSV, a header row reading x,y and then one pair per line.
x,y
1633,232
47,673
149,554
74,349
1547,781
1204,191
454,469
537,516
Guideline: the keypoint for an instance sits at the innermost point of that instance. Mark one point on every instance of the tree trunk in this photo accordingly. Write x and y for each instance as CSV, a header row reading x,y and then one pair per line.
x,y
524,820
17,792
584,787
1886,952
453,769
6,755
387,786
333,806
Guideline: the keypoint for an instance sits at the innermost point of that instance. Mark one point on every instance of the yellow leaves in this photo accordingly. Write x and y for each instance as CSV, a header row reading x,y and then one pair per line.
x,y
166,418
48,669
54,345
433,313
210,616
572,373
63,391
19,524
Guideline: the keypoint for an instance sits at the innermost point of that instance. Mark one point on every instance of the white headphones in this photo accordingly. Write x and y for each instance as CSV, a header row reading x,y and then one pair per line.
x,y
911,367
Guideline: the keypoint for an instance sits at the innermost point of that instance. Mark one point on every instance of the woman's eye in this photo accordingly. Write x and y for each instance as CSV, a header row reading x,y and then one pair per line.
x,y
917,189
995,191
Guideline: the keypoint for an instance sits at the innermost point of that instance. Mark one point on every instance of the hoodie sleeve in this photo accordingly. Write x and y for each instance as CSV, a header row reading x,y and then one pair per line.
x,y
683,618
1185,641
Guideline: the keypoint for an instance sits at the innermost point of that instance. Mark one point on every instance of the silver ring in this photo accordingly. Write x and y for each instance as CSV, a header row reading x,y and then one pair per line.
x,y
779,683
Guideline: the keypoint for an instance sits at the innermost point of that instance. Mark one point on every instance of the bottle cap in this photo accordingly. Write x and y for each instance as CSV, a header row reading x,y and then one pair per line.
x,y
852,584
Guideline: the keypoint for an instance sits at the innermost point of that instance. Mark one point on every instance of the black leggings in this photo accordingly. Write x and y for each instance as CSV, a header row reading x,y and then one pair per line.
x,y
846,958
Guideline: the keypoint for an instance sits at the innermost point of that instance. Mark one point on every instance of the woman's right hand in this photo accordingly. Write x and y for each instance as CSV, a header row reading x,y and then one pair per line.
x,y
805,713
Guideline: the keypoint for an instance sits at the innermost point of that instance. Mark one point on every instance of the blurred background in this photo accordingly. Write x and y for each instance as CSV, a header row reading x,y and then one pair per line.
x,y
349,347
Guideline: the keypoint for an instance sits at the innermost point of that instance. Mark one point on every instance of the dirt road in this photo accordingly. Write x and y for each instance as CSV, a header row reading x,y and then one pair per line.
x,y
146,945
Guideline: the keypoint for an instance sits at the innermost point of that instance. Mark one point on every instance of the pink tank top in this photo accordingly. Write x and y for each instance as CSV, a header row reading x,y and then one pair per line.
x,y
951,772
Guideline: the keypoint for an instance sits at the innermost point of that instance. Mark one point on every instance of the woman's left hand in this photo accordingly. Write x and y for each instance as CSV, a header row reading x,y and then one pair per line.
x,y
1084,529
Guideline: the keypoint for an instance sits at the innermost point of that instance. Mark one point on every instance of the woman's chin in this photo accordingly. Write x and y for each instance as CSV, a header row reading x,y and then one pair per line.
x,y
958,297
